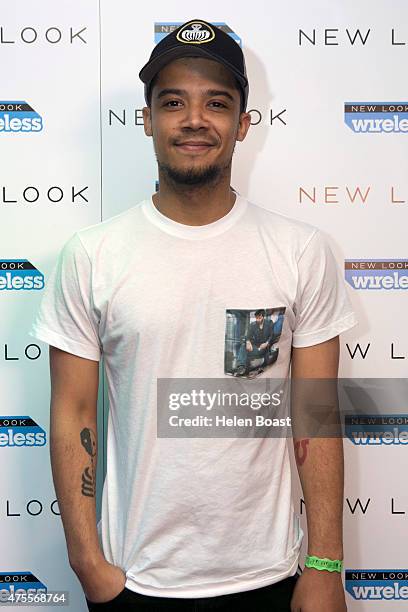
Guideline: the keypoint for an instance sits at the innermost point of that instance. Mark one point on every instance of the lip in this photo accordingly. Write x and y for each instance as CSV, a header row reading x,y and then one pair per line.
x,y
192,146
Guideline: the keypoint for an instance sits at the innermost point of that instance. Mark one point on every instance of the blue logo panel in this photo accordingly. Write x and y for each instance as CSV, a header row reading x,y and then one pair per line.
x,y
375,430
375,274
21,431
376,117
18,116
377,585
20,275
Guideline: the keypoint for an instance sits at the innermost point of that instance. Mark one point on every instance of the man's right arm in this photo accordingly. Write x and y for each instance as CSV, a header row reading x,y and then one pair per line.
x,y
74,393
73,444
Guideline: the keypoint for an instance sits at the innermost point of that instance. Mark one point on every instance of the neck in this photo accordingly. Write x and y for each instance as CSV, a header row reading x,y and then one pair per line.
x,y
193,205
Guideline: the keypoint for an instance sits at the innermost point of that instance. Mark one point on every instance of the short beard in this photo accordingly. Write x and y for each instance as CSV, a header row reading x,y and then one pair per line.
x,y
192,177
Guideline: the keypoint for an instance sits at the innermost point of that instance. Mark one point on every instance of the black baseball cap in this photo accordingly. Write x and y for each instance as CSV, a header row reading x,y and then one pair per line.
x,y
197,38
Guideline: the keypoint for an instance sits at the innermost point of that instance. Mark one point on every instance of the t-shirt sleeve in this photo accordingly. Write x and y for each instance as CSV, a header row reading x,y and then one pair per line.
x,y
66,317
322,307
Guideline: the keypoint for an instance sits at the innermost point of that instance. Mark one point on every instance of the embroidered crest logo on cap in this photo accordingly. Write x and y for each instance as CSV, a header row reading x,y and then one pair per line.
x,y
195,32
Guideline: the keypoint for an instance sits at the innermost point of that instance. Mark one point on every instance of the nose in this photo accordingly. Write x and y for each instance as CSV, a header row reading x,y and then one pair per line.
x,y
195,116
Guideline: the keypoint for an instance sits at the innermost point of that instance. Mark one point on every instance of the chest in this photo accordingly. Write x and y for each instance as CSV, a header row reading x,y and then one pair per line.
x,y
202,305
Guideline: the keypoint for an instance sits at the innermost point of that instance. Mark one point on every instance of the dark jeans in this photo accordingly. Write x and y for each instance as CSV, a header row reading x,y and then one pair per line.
x,y
245,356
272,598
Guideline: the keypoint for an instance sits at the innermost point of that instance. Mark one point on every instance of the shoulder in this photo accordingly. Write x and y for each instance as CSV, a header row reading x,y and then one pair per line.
x,y
290,233
111,226
113,231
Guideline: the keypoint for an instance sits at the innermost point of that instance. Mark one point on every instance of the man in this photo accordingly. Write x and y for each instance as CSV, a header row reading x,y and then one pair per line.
x,y
260,337
191,524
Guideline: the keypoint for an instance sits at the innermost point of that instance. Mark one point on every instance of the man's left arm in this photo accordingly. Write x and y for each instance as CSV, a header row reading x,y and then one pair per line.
x,y
321,472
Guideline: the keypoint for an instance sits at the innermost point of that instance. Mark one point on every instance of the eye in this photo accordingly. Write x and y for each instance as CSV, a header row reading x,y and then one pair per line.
x,y
172,103
218,104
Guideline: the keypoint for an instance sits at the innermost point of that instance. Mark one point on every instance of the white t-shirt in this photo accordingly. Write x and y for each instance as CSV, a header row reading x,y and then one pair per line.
x,y
193,517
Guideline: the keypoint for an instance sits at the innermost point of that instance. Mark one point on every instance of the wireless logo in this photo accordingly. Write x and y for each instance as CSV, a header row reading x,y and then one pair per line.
x,y
21,431
19,274
376,585
377,274
18,116
376,117
376,430
23,584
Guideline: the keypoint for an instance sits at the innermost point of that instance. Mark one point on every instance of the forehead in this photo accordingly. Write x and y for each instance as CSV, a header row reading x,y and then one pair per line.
x,y
195,71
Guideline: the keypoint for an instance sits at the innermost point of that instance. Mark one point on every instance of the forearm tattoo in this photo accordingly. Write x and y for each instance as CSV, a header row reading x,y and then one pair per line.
x,y
88,441
301,450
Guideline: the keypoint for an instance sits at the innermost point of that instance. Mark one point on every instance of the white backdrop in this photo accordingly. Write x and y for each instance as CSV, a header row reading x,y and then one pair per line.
x,y
76,64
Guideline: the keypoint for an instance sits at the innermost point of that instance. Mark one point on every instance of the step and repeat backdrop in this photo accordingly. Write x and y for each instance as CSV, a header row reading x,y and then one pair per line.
x,y
327,145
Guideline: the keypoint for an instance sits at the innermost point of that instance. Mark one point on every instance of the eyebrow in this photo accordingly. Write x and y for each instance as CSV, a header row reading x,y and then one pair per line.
x,y
183,92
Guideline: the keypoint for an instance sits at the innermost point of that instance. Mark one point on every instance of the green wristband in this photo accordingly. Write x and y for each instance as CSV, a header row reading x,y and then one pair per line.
x,y
329,565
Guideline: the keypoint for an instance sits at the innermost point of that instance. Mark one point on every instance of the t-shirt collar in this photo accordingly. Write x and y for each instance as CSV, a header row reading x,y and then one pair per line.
x,y
195,231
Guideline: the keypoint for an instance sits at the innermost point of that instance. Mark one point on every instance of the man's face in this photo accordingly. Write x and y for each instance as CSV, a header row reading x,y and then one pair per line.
x,y
259,319
195,120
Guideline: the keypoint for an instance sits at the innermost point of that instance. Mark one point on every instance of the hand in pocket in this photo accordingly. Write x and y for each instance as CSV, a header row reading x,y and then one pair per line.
x,y
102,582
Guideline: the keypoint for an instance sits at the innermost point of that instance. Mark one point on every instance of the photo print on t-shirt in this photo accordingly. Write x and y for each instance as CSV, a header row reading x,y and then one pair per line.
x,y
251,340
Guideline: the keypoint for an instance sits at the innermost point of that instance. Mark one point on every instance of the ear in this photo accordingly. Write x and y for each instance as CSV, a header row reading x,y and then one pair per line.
x,y
243,126
147,121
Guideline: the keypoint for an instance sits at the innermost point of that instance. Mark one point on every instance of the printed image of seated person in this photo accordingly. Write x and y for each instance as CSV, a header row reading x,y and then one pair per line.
x,y
259,339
